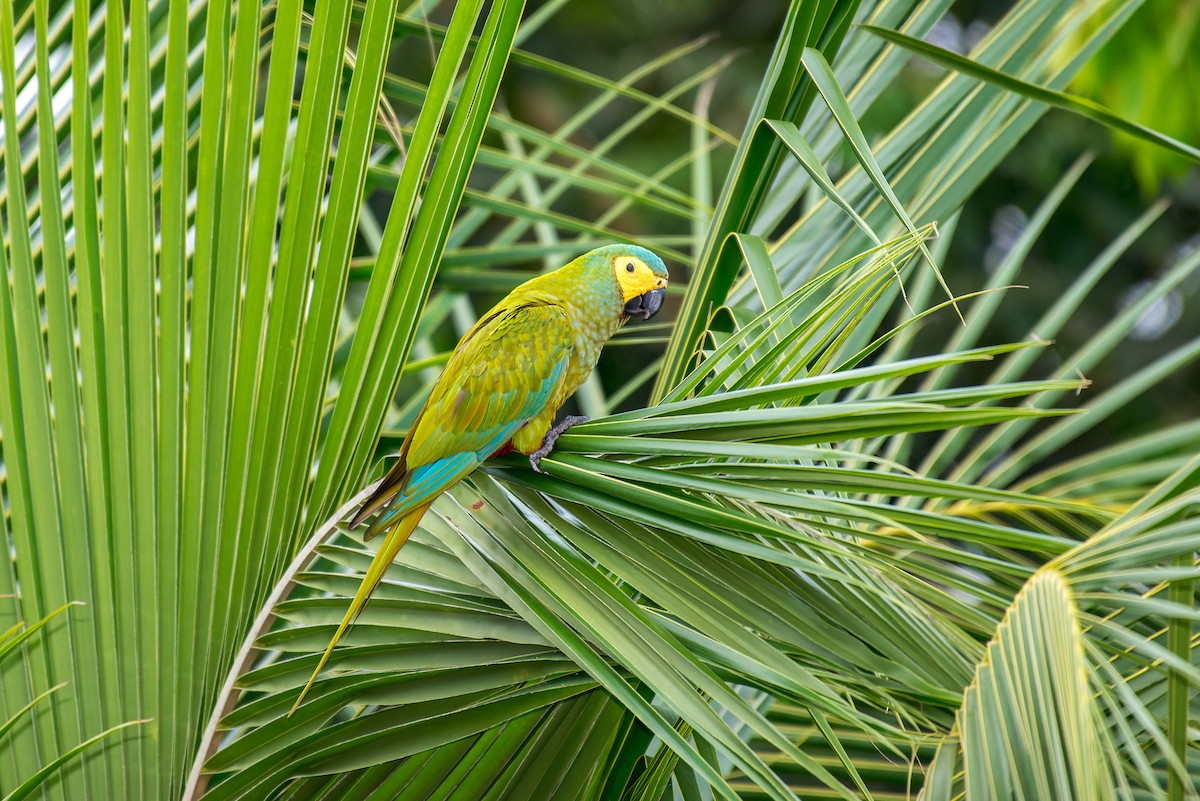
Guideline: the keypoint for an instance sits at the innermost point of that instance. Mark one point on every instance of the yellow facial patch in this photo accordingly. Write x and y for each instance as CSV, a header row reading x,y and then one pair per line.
x,y
634,277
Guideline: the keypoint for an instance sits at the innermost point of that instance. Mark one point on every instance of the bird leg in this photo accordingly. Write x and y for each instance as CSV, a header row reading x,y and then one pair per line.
x,y
535,458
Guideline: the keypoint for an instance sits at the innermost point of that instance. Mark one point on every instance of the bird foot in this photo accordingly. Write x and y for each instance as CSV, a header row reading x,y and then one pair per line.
x,y
535,458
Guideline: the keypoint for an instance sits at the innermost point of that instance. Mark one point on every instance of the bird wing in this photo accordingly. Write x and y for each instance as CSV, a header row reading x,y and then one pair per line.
x,y
503,373
498,379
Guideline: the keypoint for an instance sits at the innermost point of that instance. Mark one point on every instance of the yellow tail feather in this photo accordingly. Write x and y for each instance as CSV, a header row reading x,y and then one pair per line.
x,y
396,537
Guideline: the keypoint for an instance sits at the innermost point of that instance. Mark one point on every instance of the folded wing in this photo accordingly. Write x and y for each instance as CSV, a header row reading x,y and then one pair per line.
x,y
504,372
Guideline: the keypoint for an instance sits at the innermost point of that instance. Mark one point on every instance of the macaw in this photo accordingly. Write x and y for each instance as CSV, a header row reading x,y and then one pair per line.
x,y
502,388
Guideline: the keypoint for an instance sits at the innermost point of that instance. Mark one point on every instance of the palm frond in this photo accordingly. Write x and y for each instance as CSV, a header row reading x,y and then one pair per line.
x,y
836,556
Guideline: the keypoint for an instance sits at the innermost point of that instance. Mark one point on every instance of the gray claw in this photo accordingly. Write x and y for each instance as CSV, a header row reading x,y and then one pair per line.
x,y
535,458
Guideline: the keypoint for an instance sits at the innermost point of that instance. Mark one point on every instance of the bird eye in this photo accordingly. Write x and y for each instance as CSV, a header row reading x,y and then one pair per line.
x,y
629,267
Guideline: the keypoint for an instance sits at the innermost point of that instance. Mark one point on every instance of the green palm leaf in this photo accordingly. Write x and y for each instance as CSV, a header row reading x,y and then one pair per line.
x,y
834,558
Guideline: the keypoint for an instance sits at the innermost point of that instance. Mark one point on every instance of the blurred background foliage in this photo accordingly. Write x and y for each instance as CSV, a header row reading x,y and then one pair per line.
x,y
1162,38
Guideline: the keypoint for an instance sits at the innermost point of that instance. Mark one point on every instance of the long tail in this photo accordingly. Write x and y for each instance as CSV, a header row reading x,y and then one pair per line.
x,y
389,486
372,505
396,537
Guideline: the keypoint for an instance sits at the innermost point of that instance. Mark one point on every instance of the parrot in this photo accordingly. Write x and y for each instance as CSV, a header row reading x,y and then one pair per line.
x,y
501,391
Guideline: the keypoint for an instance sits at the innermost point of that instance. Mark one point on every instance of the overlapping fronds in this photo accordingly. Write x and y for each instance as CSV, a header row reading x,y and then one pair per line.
x,y
830,559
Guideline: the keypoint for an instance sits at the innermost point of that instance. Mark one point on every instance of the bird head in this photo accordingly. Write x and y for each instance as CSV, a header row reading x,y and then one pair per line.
x,y
641,277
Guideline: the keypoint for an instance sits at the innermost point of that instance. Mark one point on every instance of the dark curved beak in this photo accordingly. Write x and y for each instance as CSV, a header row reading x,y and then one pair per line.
x,y
647,305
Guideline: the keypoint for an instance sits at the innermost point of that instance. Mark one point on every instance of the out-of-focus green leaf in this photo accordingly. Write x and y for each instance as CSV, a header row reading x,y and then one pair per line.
x,y
1078,105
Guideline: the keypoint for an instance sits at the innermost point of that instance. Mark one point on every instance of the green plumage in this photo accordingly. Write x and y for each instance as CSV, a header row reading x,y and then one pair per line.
x,y
503,386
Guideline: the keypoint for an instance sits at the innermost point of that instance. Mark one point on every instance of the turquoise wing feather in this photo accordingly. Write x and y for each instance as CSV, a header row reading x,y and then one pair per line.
x,y
504,373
